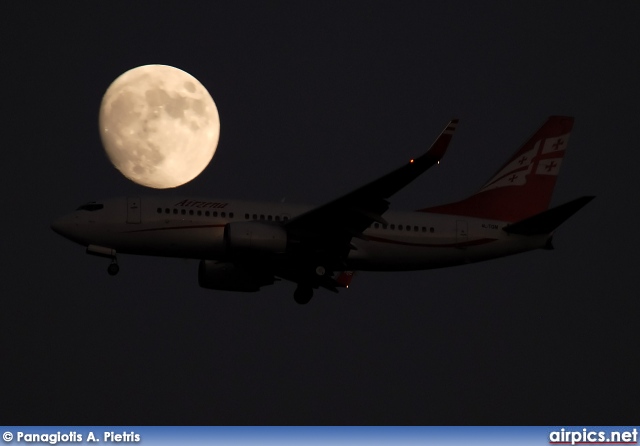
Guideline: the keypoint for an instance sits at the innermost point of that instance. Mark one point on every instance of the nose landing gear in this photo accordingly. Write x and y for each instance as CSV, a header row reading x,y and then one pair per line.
x,y
109,253
113,268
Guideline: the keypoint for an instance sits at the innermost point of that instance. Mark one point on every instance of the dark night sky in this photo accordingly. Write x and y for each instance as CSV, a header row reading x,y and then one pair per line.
x,y
316,99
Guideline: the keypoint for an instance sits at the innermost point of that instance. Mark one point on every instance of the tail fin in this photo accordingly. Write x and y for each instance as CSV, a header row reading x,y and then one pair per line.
x,y
522,187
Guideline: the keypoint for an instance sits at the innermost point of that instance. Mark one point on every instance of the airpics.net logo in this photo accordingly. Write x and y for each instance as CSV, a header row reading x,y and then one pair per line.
x,y
586,436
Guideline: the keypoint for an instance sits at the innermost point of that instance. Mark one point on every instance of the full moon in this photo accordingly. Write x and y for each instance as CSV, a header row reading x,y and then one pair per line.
x,y
159,126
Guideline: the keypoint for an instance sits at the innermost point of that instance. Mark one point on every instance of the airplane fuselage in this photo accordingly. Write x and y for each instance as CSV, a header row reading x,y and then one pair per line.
x,y
194,228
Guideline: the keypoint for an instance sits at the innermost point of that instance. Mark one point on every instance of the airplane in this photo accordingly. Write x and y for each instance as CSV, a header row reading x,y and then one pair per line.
x,y
243,246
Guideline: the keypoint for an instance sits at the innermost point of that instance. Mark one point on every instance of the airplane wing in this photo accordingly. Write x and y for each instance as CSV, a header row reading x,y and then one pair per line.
x,y
326,231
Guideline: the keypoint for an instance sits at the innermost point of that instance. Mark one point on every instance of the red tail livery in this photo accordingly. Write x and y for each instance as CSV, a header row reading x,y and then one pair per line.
x,y
522,187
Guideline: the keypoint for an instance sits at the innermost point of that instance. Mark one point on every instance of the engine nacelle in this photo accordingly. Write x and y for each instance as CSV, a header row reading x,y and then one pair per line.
x,y
255,237
229,277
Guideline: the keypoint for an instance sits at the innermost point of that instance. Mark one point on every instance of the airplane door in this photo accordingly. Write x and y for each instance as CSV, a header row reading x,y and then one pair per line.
x,y
462,232
133,210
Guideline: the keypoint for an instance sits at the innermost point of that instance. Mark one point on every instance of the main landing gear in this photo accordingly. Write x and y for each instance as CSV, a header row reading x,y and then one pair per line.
x,y
304,291
303,294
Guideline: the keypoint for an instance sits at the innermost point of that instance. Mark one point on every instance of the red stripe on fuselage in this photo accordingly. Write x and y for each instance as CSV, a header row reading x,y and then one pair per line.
x,y
482,241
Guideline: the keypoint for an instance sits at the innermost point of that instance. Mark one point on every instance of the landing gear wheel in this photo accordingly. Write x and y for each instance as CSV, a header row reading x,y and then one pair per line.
x,y
113,269
303,294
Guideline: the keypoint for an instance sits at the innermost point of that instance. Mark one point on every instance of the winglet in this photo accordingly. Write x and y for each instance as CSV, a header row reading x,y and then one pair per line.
x,y
440,145
399,178
438,148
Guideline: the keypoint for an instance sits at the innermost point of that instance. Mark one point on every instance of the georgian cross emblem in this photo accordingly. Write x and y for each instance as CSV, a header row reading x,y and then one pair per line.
x,y
557,144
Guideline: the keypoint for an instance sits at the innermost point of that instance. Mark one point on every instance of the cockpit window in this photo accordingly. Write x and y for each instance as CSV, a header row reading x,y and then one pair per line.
x,y
93,206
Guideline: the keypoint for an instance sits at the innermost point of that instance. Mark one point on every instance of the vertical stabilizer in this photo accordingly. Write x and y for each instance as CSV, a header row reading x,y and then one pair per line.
x,y
523,186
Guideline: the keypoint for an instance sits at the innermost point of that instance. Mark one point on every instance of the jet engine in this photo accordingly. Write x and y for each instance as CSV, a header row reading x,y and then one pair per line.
x,y
227,276
255,237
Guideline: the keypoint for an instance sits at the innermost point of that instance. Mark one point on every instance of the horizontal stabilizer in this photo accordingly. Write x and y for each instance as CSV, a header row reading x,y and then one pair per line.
x,y
547,221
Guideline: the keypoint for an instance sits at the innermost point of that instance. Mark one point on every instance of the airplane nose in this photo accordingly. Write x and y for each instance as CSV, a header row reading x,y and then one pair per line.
x,y
62,226
57,226
70,227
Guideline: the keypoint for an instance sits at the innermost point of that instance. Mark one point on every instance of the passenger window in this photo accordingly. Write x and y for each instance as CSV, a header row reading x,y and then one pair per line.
x,y
190,211
215,214
424,229
199,213
415,228
246,216
277,218
376,225
399,227
285,218
183,212
230,214
431,229
222,214
206,213
167,211
175,211
269,217
392,227
261,217
384,226
159,210
255,216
